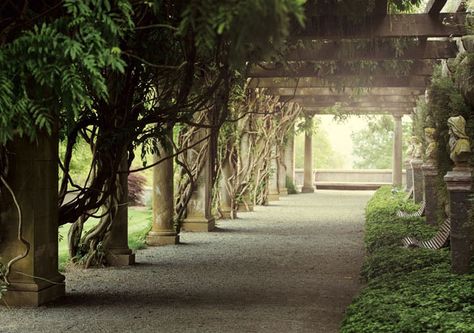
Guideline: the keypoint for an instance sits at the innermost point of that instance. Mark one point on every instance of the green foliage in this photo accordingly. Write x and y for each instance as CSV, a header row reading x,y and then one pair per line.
x,y
426,300
373,146
383,228
409,290
398,260
251,28
55,68
291,187
324,154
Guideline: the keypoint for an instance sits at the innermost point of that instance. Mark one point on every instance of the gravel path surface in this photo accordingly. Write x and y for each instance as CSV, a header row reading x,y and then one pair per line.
x,y
290,267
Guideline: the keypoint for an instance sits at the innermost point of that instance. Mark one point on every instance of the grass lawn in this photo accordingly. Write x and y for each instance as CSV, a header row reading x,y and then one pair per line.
x,y
139,222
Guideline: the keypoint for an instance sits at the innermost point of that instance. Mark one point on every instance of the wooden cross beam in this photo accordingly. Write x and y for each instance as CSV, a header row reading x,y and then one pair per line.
x,y
433,7
400,25
337,50
361,105
418,67
342,81
345,99
357,111
346,92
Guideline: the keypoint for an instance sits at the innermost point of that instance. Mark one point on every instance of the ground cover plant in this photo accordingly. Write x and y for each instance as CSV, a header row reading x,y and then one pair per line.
x,y
408,290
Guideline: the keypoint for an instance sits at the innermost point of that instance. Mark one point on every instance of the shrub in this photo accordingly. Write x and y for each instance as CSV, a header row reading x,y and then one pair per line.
x,y
136,188
408,290
291,187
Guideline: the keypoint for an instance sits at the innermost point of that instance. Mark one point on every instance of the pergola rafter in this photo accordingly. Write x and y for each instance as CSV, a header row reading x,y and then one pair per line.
x,y
330,50
342,68
393,26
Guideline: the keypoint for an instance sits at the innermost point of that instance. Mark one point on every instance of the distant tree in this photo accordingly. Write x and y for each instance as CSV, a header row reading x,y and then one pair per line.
x,y
373,146
324,155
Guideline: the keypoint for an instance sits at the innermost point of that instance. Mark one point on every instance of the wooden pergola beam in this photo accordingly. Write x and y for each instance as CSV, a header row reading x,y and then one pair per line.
x,y
399,25
361,105
346,92
333,99
433,7
345,81
418,68
357,111
330,51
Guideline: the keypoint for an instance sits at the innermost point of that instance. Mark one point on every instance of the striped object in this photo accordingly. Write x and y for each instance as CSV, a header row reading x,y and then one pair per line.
x,y
418,213
438,241
409,194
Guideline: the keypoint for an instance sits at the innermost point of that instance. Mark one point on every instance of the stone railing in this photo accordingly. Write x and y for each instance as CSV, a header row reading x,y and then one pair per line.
x,y
350,179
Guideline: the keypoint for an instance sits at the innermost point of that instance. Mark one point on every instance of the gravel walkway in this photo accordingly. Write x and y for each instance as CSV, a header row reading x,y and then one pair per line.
x,y
290,267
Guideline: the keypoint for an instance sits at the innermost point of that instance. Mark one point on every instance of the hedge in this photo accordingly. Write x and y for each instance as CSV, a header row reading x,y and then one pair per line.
x,y
408,290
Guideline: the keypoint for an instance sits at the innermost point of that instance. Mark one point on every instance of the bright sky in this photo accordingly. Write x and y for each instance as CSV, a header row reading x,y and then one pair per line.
x,y
340,134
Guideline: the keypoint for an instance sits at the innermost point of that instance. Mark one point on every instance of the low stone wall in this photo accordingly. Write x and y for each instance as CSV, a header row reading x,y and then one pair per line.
x,y
359,179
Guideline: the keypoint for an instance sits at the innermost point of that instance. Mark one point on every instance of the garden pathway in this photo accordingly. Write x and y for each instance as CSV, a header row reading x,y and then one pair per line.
x,y
290,267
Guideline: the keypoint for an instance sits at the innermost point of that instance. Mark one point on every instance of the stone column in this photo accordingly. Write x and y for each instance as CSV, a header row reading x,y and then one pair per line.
x,y
430,175
409,172
308,183
290,159
273,193
199,217
418,194
247,204
397,151
459,183
162,230
282,172
117,251
33,178
226,208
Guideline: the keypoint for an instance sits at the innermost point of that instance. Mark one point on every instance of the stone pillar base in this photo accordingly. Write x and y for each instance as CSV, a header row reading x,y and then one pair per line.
x,y
418,187
228,214
242,208
273,197
283,192
307,189
198,224
34,294
430,174
120,257
162,238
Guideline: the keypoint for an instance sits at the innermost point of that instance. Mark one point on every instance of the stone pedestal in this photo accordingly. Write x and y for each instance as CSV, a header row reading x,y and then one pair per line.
x,y
117,251
308,182
418,188
162,230
430,175
246,204
397,175
409,173
199,217
33,178
459,183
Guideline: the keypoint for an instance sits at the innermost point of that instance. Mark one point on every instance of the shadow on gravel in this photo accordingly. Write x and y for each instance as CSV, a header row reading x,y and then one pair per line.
x,y
237,298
